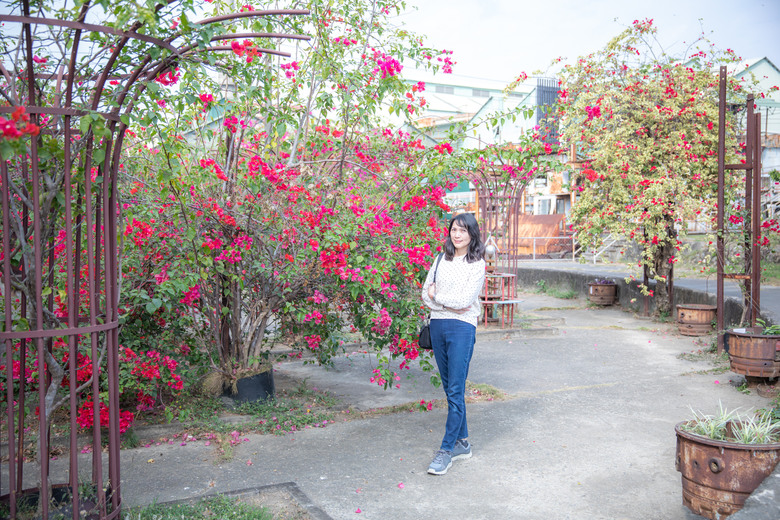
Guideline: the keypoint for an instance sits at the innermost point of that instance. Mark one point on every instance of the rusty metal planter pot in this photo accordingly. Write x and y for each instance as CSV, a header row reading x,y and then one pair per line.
x,y
602,293
694,319
718,476
753,354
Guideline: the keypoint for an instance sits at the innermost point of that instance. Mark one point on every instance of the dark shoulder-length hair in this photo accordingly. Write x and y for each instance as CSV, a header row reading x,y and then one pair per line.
x,y
476,248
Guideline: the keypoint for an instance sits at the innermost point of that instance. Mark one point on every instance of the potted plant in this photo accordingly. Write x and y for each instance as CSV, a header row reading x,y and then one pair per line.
x,y
754,351
602,291
723,458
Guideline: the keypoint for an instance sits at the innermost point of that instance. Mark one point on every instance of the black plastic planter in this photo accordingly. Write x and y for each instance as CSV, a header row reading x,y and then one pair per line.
x,y
256,388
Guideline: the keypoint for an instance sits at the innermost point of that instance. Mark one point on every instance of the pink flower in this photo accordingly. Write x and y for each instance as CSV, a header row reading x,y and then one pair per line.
x,y
443,148
593,112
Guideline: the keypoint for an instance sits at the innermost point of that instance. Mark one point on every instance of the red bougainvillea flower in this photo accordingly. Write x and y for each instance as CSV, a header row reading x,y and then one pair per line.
x,y
443,148
590,174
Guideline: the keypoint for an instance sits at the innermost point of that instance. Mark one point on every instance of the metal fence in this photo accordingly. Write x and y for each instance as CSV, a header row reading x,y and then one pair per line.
x,y
547,248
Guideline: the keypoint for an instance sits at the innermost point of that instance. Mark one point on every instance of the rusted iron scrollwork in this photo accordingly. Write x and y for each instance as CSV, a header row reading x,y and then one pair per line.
x,y
60,211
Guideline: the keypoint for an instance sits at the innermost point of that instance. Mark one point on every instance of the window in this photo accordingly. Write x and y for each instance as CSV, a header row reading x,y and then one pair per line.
x,y
477,92
443,89
562,206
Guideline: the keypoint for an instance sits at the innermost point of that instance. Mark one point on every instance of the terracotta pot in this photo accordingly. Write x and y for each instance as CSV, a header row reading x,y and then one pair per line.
x,y
695,319
718,476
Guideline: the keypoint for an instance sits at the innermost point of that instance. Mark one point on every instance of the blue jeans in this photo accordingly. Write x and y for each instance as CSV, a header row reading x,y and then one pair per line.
x,y
453,345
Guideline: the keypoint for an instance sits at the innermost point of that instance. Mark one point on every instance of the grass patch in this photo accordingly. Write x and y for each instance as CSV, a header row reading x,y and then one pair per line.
x,y
568,308
476,392
198,412
217,507
713,371
284,415
291,410
555,292
129,440
718,362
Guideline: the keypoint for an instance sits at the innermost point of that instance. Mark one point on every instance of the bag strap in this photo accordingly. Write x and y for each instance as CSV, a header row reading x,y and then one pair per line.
x,y
438,259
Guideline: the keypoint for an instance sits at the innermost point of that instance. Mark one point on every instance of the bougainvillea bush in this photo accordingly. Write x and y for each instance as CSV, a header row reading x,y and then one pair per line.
x,y
271,204
647,122
261,198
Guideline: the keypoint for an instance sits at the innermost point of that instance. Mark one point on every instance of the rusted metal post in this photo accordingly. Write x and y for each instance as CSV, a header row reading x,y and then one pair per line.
x,y
755,256
747,226
750,278
720,244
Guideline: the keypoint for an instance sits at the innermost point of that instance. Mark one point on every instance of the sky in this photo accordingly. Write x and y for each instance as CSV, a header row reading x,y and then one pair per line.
x,y
499,39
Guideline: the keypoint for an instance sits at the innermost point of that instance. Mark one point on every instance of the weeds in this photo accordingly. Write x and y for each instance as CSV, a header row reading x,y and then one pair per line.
x,y
130,440
483,392
555,292
214,507
719,362
280,416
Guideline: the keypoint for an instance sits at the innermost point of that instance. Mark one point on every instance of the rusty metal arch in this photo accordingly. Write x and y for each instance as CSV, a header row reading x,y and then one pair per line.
x,y
80,239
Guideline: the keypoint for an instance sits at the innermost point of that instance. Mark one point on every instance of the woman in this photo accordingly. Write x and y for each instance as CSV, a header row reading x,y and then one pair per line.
x,y
454,304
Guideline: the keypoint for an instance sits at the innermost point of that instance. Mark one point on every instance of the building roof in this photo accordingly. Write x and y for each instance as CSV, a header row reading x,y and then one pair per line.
x,y
455,80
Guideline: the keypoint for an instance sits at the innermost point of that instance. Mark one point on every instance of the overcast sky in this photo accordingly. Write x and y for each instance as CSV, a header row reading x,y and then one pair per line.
x,y
498,39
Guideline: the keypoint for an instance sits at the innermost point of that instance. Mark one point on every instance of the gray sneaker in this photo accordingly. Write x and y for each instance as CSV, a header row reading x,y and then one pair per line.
x,y
462,450
441,463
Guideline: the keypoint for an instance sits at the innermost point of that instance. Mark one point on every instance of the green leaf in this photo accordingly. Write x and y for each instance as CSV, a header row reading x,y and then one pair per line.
x,y
84,123
6,150
98,156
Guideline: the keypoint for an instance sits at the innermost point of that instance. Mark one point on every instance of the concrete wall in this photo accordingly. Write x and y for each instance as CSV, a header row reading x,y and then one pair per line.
x,y
578,282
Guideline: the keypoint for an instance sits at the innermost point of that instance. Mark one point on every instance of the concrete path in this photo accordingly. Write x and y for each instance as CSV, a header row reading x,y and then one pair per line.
x,y
586,432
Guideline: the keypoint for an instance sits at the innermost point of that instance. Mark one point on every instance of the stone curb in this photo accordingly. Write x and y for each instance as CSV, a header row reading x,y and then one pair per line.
x,y
300,498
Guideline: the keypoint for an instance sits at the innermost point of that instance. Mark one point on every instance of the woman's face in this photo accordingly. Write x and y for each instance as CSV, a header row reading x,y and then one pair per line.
x,y
460,238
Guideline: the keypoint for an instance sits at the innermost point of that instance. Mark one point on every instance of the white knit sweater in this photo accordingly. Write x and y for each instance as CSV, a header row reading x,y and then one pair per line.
x,y
458,284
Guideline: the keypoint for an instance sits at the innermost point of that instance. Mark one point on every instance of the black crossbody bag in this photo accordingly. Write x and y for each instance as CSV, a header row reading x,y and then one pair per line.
x,y
424,340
